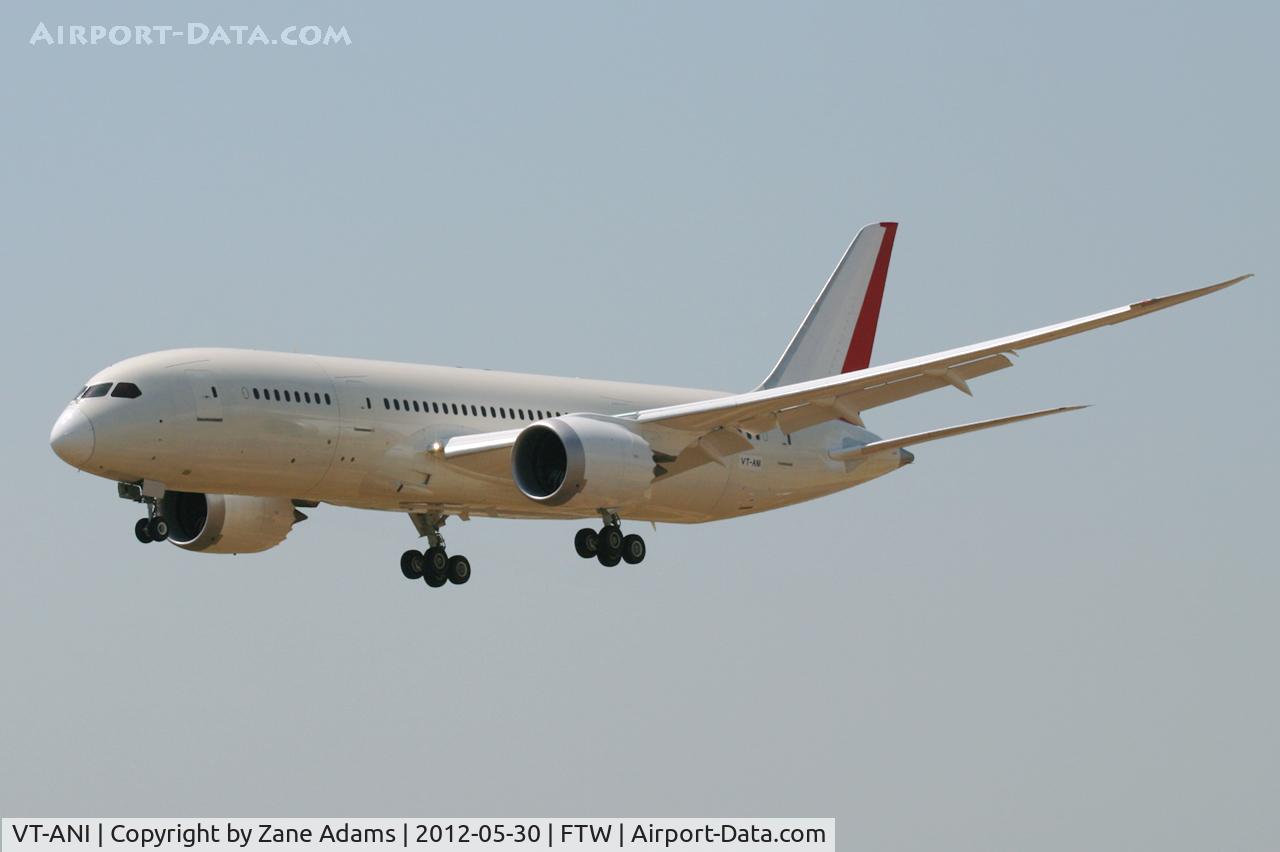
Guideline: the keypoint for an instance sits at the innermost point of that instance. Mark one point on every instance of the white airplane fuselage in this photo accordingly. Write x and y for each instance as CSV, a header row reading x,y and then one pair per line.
x,y
366,434
224,446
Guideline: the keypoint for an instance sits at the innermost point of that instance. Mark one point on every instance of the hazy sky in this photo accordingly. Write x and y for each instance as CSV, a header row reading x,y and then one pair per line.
x,y
1060,635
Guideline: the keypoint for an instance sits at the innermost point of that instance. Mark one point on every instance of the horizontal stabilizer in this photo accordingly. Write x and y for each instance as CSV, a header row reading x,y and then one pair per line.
x,y
937,434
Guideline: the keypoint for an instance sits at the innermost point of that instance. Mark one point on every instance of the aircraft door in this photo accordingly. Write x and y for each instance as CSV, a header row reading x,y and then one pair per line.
x,y
357,406
205,389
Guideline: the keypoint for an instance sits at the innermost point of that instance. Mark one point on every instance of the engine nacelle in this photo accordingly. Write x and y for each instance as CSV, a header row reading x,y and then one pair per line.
x,y
591,461
228,523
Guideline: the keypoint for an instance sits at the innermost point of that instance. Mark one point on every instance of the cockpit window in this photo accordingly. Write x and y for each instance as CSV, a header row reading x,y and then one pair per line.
x,y
96,390
126,390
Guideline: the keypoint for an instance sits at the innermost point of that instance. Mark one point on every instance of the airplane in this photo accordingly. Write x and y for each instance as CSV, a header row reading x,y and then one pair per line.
x,y
224,447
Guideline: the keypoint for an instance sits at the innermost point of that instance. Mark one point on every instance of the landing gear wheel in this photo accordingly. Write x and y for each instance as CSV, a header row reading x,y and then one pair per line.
x,y
633,549
609,560
435,559
458,570
411,565
609,541
142,529
435,577
586,543
158,529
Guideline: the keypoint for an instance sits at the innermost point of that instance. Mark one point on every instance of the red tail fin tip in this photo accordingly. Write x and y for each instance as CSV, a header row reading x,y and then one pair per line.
x,y
864,331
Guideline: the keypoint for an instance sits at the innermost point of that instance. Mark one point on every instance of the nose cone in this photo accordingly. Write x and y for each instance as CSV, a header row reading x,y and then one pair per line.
x,y
72,437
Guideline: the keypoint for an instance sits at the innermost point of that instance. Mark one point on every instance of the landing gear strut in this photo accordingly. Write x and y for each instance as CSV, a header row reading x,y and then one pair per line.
x,y
434,565
153,527
609,545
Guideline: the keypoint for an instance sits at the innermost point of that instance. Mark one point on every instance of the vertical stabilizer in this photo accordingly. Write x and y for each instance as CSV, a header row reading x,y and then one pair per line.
x,y
838,332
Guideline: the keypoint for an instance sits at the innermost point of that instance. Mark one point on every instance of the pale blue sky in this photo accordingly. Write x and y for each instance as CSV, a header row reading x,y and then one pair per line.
x,y
1057,636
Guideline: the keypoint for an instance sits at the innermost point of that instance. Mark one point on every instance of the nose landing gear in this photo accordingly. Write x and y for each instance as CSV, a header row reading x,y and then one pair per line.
x,y
153,527
609,545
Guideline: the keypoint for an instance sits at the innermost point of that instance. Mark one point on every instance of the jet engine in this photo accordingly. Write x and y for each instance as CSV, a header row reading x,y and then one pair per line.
x,y
594,462
228,523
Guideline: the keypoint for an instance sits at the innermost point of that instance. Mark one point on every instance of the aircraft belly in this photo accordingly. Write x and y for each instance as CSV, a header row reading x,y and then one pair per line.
x,y
407,479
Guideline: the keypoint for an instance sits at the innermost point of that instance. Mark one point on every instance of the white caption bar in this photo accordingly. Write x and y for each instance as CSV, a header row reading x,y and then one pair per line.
x,y
269,835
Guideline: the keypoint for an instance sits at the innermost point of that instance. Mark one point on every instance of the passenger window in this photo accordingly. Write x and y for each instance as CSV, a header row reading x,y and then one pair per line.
x,y
396,402
474,413
255,393
215,392
126,390
326,400
386,403
97,390
307,394
455,408
483,412
435,408
406,405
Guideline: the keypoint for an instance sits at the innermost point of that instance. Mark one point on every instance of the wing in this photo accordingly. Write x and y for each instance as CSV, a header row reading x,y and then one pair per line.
x,y
793,407
691,434
487,454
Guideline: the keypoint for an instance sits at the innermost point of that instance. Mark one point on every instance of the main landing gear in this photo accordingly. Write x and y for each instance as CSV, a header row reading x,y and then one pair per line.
x,y
609,545
434,565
